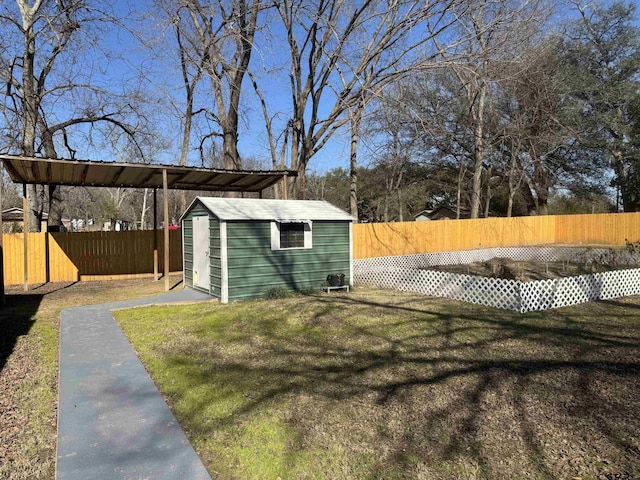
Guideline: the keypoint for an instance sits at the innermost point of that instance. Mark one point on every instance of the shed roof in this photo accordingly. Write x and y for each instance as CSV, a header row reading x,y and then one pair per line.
x,y
280,210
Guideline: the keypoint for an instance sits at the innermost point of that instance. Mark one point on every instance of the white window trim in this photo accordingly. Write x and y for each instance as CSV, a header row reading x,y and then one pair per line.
x,y
275,235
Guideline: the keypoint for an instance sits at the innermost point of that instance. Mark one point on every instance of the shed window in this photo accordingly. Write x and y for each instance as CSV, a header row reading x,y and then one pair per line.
x,y
290,234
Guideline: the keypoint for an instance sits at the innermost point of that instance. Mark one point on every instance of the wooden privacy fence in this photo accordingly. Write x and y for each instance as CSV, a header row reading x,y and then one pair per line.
x,y
406,238
59,257
69,257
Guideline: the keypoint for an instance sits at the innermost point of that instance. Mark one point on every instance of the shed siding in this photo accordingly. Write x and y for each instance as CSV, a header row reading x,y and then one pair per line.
x,y
214,257
254,268
188,252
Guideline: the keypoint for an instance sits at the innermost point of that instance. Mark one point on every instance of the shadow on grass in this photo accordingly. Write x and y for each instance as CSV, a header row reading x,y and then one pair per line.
x,y
17,316
16,319
552,394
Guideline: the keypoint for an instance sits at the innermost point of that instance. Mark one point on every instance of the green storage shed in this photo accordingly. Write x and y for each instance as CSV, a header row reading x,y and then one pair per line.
x,y
237,248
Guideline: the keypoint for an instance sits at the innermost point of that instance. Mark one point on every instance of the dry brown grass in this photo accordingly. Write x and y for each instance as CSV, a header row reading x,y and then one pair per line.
x,y
29,327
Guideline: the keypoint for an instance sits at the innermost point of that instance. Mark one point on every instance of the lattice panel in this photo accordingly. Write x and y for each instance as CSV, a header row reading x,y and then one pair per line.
x,y
546,294
620,283
404,273
494,292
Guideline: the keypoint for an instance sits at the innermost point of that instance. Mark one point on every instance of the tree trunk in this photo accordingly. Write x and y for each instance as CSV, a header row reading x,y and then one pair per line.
x,y
459,190
143,214
230,150
30,105
300,183
478,152
295,159
56,206
541,184
487,202
230,145
623,181
385,213
512,180
33,214
353,165
184,150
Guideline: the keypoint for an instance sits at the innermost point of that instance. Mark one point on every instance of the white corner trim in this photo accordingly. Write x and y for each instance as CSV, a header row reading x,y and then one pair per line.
x,y
224,270
351,254
184,277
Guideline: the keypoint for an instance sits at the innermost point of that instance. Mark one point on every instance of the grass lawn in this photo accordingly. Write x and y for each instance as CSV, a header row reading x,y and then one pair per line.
x,y
29,332
381,384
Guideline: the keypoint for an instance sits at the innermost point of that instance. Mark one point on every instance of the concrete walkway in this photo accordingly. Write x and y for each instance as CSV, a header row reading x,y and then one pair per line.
x,y
112,421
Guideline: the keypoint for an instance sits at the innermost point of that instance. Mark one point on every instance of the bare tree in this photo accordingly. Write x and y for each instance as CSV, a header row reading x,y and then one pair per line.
x,y
493,33
341,54
216,39
533,131
45,71
391,135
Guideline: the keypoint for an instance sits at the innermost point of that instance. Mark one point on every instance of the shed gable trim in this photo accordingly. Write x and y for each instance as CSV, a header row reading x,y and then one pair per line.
x,y
251,209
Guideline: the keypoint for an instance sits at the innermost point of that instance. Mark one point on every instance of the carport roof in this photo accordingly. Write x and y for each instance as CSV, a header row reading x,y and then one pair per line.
x,y
33,170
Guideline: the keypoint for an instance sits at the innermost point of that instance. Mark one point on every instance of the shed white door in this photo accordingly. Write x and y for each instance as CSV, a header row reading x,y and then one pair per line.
x,y
201,252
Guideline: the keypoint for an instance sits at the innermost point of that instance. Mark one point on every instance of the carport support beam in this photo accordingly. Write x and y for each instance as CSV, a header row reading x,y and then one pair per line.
x,y
156,276
165,190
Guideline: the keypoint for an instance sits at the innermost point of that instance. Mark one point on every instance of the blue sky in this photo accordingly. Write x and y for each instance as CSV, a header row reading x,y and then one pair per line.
x,y
123,58
253,142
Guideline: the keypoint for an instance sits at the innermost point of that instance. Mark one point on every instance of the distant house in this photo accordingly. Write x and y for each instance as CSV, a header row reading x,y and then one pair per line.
x,y
440,213
113,225
422,216
12,221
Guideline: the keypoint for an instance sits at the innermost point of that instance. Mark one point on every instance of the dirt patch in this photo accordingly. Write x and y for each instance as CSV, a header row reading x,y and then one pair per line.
x,y
526,271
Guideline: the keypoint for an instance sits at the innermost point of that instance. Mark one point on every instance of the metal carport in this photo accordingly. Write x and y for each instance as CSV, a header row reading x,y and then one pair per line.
x,y
48,171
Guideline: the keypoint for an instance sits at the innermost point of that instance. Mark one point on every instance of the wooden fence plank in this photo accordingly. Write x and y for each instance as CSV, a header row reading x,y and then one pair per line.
x,y
383,239
73,256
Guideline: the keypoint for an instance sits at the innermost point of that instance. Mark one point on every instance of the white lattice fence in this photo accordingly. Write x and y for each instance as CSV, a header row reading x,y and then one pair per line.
x,y
404,273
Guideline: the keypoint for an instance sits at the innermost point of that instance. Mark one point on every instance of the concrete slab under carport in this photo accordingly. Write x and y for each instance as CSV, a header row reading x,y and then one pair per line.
x,y
112,421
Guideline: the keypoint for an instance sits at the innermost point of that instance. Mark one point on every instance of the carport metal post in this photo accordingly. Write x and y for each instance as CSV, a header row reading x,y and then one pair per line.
x,y
165,190
156,277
